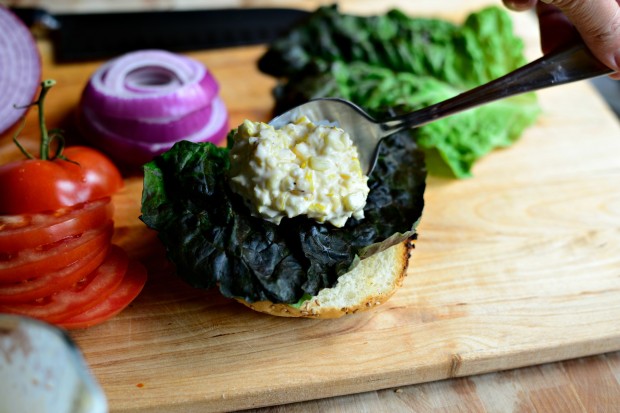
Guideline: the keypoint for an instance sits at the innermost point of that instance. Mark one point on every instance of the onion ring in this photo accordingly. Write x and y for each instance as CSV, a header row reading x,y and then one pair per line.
x,y
153,130
116,89
139,152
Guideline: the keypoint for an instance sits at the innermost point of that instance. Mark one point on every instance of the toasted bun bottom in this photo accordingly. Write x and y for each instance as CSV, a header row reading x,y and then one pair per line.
x,y
371,283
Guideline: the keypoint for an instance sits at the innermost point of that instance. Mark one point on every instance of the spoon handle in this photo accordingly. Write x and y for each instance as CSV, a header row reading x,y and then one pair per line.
x,y
556,68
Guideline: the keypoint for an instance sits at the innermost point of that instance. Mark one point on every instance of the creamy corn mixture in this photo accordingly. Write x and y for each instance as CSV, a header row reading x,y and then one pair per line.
x,y
301,168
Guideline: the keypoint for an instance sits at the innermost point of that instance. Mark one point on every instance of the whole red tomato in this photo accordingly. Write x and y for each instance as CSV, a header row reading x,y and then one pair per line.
x,y
34,185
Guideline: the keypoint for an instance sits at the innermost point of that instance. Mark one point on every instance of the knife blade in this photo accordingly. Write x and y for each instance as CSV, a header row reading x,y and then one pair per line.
x,y
103,35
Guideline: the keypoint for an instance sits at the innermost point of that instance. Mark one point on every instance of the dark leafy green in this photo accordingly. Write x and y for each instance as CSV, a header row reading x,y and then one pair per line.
x,y
214,241
393,60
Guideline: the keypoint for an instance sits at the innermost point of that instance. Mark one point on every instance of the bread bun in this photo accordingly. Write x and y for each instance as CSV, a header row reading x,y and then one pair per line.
x,y
371,283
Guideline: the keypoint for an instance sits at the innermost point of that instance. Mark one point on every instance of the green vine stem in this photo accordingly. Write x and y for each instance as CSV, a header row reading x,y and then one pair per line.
x,y
46,137
46,85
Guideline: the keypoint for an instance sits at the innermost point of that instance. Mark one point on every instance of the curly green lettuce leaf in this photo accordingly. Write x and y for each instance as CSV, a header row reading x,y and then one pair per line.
x,y
213,240
393,60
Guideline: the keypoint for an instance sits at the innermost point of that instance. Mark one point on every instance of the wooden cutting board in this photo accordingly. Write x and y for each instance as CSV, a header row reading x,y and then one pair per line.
x,y
517,266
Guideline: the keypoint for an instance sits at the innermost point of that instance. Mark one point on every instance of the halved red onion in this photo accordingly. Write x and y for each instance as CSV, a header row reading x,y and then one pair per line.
x,y
135,152
150,84
20,68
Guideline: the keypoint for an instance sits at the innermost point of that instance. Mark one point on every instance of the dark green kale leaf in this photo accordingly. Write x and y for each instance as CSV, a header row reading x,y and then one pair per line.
x,y
213,240
396,61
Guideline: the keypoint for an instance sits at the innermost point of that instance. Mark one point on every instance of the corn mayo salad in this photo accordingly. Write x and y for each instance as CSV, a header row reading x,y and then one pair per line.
x,y
300,169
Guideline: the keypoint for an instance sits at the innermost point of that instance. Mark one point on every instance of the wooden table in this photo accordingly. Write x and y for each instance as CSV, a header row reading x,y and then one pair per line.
x,y
580,385
499,280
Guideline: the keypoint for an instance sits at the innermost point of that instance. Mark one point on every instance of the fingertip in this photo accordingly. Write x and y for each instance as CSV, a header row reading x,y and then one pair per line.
x,y
614,46
598,23
555,28
520,5
615,65
609,59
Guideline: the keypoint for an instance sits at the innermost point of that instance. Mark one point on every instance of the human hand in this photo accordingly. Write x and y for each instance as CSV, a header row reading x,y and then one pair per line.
x,y
562,21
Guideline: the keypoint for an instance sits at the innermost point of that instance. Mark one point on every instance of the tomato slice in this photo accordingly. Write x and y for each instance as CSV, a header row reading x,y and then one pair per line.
x,y
87,293
36,262
131,286
51,283
25,231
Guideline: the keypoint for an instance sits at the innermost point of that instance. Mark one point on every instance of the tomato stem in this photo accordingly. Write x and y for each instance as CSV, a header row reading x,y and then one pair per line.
x,y
19,145
46,85
46,139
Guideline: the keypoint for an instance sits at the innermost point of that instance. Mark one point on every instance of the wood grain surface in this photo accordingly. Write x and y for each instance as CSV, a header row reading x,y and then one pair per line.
x,y
515,267
581,385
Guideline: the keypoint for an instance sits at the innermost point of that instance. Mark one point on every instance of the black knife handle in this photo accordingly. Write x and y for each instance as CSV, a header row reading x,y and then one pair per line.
x,y
101,35
36,17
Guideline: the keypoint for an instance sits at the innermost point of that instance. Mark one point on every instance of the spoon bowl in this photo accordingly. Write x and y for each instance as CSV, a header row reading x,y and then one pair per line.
x,y
365,132
557,68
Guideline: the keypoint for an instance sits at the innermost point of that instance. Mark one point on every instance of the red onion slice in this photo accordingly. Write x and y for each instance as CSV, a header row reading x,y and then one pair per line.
x,y
134,152
20,68
153,130
149,84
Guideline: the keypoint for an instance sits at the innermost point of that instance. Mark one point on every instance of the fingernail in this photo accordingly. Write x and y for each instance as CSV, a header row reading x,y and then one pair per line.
x,y
616,61
519,5
616,58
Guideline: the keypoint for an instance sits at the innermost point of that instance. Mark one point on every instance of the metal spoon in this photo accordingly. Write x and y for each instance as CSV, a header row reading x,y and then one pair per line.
x,y
564,66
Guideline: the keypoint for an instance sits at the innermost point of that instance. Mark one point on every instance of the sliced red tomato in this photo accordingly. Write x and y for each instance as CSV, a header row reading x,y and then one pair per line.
x,y
33,263
25,231
131,286
51,283
37,185
87,293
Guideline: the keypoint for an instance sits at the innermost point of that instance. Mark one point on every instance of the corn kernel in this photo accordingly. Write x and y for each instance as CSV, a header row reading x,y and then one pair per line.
x,y
320,163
